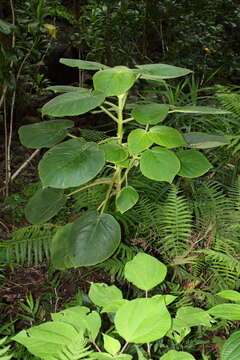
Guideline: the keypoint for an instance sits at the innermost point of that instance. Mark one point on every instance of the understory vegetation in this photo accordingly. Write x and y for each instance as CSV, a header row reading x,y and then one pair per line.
x,y
120,180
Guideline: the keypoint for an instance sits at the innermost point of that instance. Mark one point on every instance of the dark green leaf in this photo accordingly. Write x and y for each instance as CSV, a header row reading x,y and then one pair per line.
x,y
193,163
126,199
114,152
138,140
82,64
199,140
71,163
44,205
73,103
66,88
44,134
161,71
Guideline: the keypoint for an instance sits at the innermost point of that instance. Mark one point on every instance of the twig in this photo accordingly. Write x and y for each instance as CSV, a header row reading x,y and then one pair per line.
x,y
17,172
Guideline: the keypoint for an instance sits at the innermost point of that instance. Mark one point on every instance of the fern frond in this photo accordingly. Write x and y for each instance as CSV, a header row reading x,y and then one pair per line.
x,y
77,350
175,224
29,244
4,350
234,194
115,265
93,135
90,198
230,102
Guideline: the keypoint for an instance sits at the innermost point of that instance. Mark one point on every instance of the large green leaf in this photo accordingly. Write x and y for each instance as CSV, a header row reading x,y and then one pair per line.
x,y
73,103
177,355
199,140
114,152
161,71
193,163
48,341
198,110
231,347
71,163
159,164
138,140
232,295
44,134
191,316
114,81
150,113
226,311
74,316
44,204
126,199
145,271
87,241
66,88
166,136
142,320
102,294
82,64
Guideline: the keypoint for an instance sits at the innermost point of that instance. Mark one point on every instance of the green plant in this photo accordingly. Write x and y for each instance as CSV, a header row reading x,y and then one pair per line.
x,y
75,332
158,151
4,350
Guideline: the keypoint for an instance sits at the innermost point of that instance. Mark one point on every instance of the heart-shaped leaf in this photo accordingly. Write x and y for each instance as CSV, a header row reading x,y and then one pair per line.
x,y
145,271
44,204
138,140
193,163
150,113
199,140
161,71
44,134
71,163
166,136
142,320
159,164
126,199
88,241
114,153
82,64
114,81
73,103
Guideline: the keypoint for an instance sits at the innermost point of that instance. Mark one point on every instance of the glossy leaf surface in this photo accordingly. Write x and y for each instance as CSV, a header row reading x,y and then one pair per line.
x,y
161,71
71,163
138,140
114,152
73,103
44,134
82,64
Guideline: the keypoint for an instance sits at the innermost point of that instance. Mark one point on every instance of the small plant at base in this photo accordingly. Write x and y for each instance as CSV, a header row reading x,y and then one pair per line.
x,y
158,150
74,333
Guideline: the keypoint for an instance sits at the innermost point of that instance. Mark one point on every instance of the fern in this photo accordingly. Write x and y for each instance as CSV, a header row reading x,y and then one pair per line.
x,y
4,350
90,198
230,102
77,350
29,244
93,135
115,265
175,224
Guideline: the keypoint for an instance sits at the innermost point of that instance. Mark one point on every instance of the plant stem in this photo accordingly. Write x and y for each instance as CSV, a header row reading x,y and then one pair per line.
x,y
124,347
96,182
109,113
96,346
